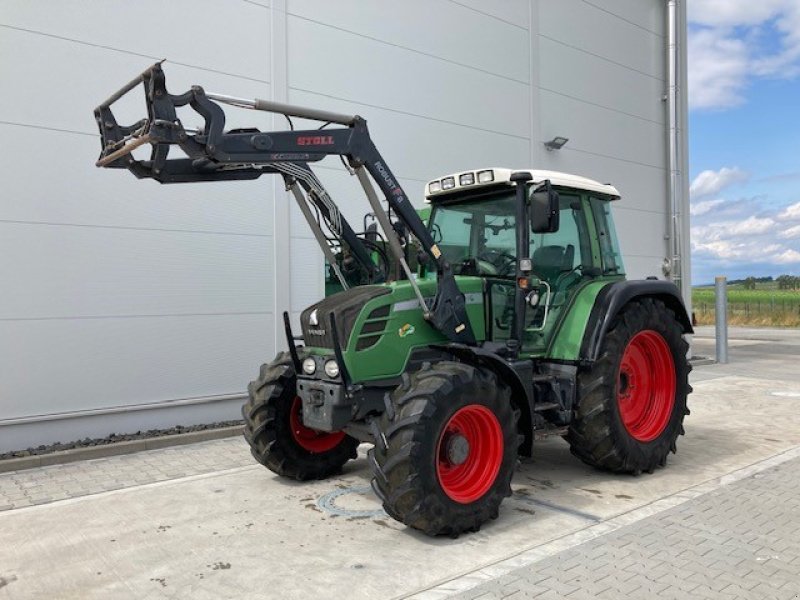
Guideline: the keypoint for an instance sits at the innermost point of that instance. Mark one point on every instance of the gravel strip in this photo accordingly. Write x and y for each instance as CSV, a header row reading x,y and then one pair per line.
x,y
115,438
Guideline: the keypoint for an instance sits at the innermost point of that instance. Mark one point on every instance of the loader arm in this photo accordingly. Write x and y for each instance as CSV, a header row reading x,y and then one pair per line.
x,y
214,154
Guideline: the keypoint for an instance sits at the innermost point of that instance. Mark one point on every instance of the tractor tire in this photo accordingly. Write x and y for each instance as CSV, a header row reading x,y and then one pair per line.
x,y
632,402
275,432
447,448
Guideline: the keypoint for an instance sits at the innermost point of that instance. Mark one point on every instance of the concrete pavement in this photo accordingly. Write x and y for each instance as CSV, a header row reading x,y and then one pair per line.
x,y
205,521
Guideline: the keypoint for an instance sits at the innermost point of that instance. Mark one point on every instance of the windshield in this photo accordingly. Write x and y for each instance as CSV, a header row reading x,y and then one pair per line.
x,y
477,236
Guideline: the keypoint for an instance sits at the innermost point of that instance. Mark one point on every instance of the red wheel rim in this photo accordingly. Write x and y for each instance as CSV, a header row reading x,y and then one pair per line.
x,y
646,386
310,439
469,453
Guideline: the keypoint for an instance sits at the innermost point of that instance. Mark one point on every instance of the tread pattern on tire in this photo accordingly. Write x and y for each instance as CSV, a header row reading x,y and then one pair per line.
x,y
404,457
267,430
596,434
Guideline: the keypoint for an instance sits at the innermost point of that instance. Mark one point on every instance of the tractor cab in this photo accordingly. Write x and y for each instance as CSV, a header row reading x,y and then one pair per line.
x,y
474,222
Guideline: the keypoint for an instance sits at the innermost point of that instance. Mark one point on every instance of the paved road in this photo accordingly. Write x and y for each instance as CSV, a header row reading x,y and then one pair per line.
x,y
19,489
740,541
204,521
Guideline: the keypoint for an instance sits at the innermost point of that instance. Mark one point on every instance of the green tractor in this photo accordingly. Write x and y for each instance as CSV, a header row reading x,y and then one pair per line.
x,y
517,322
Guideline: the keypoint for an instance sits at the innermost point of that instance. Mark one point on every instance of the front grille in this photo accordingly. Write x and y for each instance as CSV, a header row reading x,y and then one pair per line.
x,y
376,324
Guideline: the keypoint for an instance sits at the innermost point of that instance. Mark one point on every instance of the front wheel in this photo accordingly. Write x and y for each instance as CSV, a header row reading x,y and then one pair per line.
x,y
632,402
447,449
274,429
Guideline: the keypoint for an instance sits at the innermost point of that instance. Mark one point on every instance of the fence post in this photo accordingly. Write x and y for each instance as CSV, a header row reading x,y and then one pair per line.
x,y
721,319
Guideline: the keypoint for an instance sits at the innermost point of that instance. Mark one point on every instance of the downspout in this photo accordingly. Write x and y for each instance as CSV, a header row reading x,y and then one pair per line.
x,y
674,263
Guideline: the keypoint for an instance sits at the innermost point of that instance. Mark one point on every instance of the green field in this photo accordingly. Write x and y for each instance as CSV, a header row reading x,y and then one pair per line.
x,y
764,306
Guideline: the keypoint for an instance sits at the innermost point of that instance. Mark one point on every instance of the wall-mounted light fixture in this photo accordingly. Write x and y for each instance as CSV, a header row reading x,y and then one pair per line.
x,y
556,143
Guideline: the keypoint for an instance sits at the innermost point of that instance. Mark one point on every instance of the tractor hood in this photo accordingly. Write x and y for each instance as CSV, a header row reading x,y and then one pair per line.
x,y
345,307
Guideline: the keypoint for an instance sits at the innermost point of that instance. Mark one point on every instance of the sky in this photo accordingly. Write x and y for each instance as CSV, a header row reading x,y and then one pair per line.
x,y
744,137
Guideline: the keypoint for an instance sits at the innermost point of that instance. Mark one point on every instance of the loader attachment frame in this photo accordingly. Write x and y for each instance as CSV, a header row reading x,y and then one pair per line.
x,y
214,154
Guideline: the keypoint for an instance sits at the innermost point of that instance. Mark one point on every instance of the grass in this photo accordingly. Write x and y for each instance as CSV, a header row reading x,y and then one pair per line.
x,y
765,306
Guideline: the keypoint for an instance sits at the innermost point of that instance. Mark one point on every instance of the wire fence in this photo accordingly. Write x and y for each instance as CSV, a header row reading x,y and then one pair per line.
x,y
757,308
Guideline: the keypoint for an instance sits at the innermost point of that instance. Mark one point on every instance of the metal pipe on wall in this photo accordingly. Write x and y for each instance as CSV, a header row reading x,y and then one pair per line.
x,y
674,187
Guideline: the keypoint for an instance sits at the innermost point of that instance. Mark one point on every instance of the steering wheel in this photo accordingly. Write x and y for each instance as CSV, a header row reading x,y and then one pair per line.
x,y
504,262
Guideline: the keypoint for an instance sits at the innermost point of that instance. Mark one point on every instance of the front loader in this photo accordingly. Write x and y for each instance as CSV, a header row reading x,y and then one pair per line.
x,y
518,322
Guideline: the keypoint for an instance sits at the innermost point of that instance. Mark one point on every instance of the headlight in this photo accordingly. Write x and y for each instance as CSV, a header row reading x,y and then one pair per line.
x,y
332,369
434,187
309,366
466,179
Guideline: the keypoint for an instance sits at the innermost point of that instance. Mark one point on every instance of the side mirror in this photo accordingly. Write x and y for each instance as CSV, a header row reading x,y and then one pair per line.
x,y
543,209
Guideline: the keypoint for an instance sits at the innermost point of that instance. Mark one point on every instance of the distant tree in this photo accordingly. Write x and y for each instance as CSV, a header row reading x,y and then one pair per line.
x,y
788,282
750,283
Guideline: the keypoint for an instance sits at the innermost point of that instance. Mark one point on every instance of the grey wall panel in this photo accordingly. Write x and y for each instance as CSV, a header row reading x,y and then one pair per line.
x,y
71,71
640,267
603,34
64,365
449,31
421,149
33,434
73,191
569,71
648,14
601,131
369,72
66,271
638,230
306,277
514,12
153,30
641,186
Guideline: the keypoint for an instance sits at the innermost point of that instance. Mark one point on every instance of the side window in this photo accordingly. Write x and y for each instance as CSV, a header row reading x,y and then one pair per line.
x,y
607,237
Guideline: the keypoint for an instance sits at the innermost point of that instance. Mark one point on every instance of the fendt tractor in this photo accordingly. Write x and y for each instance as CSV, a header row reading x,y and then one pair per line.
x,y
518,321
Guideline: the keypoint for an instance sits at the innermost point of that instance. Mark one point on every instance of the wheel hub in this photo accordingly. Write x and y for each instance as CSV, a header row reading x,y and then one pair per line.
x,y
457,449
646,386
469,453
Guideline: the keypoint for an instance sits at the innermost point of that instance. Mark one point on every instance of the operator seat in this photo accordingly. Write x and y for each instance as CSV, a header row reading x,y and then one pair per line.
x,y
550,261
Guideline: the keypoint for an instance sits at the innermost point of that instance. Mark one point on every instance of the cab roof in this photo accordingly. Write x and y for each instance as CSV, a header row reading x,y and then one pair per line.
x,y
497,176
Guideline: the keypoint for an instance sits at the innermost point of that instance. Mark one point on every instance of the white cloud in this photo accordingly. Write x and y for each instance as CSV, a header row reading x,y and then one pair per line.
x,y
731,13
727,49
791,233
700,208
717,69
790,256
751,241
791,213
712,182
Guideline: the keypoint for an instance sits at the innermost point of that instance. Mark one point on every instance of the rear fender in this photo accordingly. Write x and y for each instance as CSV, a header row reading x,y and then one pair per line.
x,y
615,296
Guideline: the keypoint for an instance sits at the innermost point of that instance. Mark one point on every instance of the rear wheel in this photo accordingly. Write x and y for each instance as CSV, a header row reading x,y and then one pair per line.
x,y
632,402
276,434
447,449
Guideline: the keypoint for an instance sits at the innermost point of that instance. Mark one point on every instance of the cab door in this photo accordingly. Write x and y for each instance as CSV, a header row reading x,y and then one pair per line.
x,y
563,261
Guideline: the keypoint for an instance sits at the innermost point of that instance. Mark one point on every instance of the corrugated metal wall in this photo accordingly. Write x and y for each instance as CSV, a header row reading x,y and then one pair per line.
x,y
117,292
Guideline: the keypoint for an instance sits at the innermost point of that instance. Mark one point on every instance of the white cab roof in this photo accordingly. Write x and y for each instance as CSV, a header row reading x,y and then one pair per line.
x,y
450,184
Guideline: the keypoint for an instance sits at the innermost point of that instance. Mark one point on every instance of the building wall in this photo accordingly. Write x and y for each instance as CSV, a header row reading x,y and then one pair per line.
x,y
128,305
